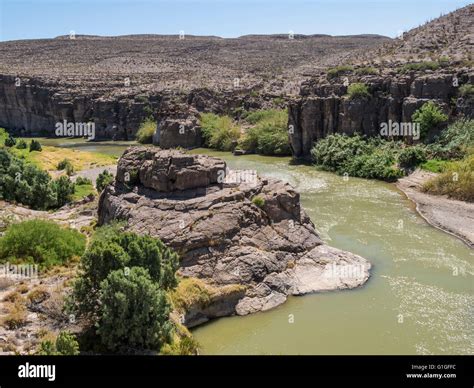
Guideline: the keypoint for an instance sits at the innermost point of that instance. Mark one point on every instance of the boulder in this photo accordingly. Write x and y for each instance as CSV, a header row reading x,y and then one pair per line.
x,y
224,236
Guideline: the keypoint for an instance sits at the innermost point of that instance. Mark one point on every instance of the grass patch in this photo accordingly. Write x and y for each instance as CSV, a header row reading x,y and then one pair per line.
x,y
435,165
419,66
146,131
457,180
339,70
51,157
81,191
366,71
190,292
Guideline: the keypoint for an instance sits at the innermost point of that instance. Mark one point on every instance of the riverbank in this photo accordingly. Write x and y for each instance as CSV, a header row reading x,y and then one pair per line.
x,y
452,216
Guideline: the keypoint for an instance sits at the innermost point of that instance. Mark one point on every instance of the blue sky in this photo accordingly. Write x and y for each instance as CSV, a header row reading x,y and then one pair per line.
x,y
227,18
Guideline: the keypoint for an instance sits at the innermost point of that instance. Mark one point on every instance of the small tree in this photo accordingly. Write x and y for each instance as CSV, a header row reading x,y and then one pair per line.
x,y
134,311
35,145
66,164
10,141
64,345
21,144
104,179
429,116
64,189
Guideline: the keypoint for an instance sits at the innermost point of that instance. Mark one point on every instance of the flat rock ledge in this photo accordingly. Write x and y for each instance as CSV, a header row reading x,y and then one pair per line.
x,y
233,229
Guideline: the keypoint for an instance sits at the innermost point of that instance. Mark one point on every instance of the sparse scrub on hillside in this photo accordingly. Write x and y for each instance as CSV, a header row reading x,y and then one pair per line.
x,y
339,70
358,91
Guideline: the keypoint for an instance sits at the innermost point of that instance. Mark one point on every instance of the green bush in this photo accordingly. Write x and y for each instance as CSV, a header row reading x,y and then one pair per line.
x,y
411,157
40,242
356,156
104,179
454,142
26,184
35,146
64,190
258,201
66,164
64,345
10,141
146,131
21,144
419,66
467,91
219,132
434,165
80,180
268,135
429,116
134,311
111,250
358,91
338,71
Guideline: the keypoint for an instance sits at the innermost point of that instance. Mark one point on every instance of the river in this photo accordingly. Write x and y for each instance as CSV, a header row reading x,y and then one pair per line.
x,y
419,299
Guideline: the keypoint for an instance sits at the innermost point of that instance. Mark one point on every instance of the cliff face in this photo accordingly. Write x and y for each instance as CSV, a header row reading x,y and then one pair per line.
x,y
324,108
35,106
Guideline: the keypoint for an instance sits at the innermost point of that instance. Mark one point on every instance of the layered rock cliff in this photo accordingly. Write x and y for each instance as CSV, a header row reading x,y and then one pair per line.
x,y
324,107
231,228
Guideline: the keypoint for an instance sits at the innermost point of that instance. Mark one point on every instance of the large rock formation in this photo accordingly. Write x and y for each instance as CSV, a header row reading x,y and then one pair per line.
x,y
231,228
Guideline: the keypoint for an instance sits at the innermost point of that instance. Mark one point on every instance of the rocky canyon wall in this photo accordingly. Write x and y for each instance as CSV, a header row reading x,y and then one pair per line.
x,y
324,108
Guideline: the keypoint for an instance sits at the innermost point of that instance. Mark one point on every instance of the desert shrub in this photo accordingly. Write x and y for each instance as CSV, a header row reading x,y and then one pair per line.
x,y
356,156
268,135
64,190
454,142
419,66
185,346
21,144
111,250
467,91
10,141
104,179
366,71
25,183
66,164
457,180
338,71
146,131
358,91
190,292
429,116
16,316
40,242
134,311
35,145
80,180
38,295
258,201
411,157
219,132
65,345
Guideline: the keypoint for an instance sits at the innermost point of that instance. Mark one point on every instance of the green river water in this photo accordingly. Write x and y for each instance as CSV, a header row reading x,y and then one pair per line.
x,y
419,299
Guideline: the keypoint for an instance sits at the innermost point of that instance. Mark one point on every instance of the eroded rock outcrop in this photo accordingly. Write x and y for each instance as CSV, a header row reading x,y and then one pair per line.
x,y
324,107
230,228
